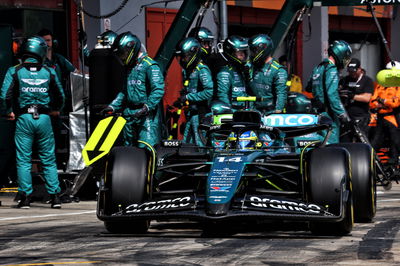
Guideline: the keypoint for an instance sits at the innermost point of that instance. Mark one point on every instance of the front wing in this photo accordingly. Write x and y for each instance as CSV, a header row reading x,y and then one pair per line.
x,y
247,208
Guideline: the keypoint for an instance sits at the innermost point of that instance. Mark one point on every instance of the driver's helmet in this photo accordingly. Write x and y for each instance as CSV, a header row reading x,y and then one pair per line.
x,y
188,53
261,46
247,140
35,47
126,47
298,103
205,37
341,52
108,36
234,45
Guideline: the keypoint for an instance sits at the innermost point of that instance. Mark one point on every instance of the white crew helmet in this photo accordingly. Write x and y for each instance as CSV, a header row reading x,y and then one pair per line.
x,y
393,64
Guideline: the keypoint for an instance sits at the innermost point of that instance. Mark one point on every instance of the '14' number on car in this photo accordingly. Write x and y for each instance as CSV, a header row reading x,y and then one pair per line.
x,y
229,159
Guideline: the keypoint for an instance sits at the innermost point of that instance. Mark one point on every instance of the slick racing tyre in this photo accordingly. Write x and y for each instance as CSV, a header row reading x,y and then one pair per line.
x,y
127,178
329,185
363,176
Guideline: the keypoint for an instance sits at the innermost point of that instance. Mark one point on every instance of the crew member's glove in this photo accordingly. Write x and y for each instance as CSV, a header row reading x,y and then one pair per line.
x,y
142,112
248,72
107,111
348,95
181,101
345,119
380,100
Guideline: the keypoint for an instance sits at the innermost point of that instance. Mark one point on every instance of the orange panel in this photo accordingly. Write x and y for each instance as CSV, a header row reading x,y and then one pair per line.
x,y
267,4
380,11
333,10
270,4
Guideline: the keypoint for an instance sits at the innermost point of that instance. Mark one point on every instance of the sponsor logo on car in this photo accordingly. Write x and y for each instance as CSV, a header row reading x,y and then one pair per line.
x,y
171,143
290,120
304,143
167,204
284,205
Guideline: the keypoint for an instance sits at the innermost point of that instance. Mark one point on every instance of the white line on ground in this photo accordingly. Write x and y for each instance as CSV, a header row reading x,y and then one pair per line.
x,y
389,200
46,215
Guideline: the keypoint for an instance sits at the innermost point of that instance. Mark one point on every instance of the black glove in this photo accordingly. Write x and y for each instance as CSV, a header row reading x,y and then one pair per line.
x,y
106,111
346,95
345,119
181,101
248,73
142,112
380,100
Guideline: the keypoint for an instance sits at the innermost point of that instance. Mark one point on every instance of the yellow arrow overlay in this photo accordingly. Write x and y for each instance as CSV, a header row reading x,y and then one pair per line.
x,y
102,139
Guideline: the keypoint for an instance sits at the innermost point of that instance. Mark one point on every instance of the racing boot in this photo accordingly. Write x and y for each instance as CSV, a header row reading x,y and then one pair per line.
x,y
24,202
55,201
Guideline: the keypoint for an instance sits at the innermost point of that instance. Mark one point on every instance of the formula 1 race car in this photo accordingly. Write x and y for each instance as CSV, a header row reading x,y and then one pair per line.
x,y
245,178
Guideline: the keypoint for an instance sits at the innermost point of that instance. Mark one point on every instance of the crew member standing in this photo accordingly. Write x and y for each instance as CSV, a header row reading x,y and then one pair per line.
x,y
386,102
269,77
31,92
355,92
232,78
140,99
325,83
61,65
197,88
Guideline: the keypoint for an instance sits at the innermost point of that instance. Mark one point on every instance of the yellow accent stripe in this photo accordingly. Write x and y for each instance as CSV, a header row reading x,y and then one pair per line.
x,y
129,57
274,66
302,154
147,61
250,99
153,152
257,56
191,61
269,182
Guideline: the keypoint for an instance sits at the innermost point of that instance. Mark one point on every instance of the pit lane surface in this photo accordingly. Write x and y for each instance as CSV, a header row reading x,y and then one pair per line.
x,y
73,235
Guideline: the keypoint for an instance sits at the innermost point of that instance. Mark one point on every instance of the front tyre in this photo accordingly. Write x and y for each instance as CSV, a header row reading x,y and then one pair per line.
x,y
363,175
329,185
127,179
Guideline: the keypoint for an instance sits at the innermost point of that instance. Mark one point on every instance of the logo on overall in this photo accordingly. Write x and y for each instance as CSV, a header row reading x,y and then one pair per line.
x,y
34,89
290,120
134,82
34,82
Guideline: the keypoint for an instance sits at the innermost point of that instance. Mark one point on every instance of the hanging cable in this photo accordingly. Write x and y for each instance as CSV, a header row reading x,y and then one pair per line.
x,y
308,36
385,42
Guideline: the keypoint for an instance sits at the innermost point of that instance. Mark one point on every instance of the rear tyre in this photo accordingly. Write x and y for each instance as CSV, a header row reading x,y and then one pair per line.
x,y
363,176
329,185
127,178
